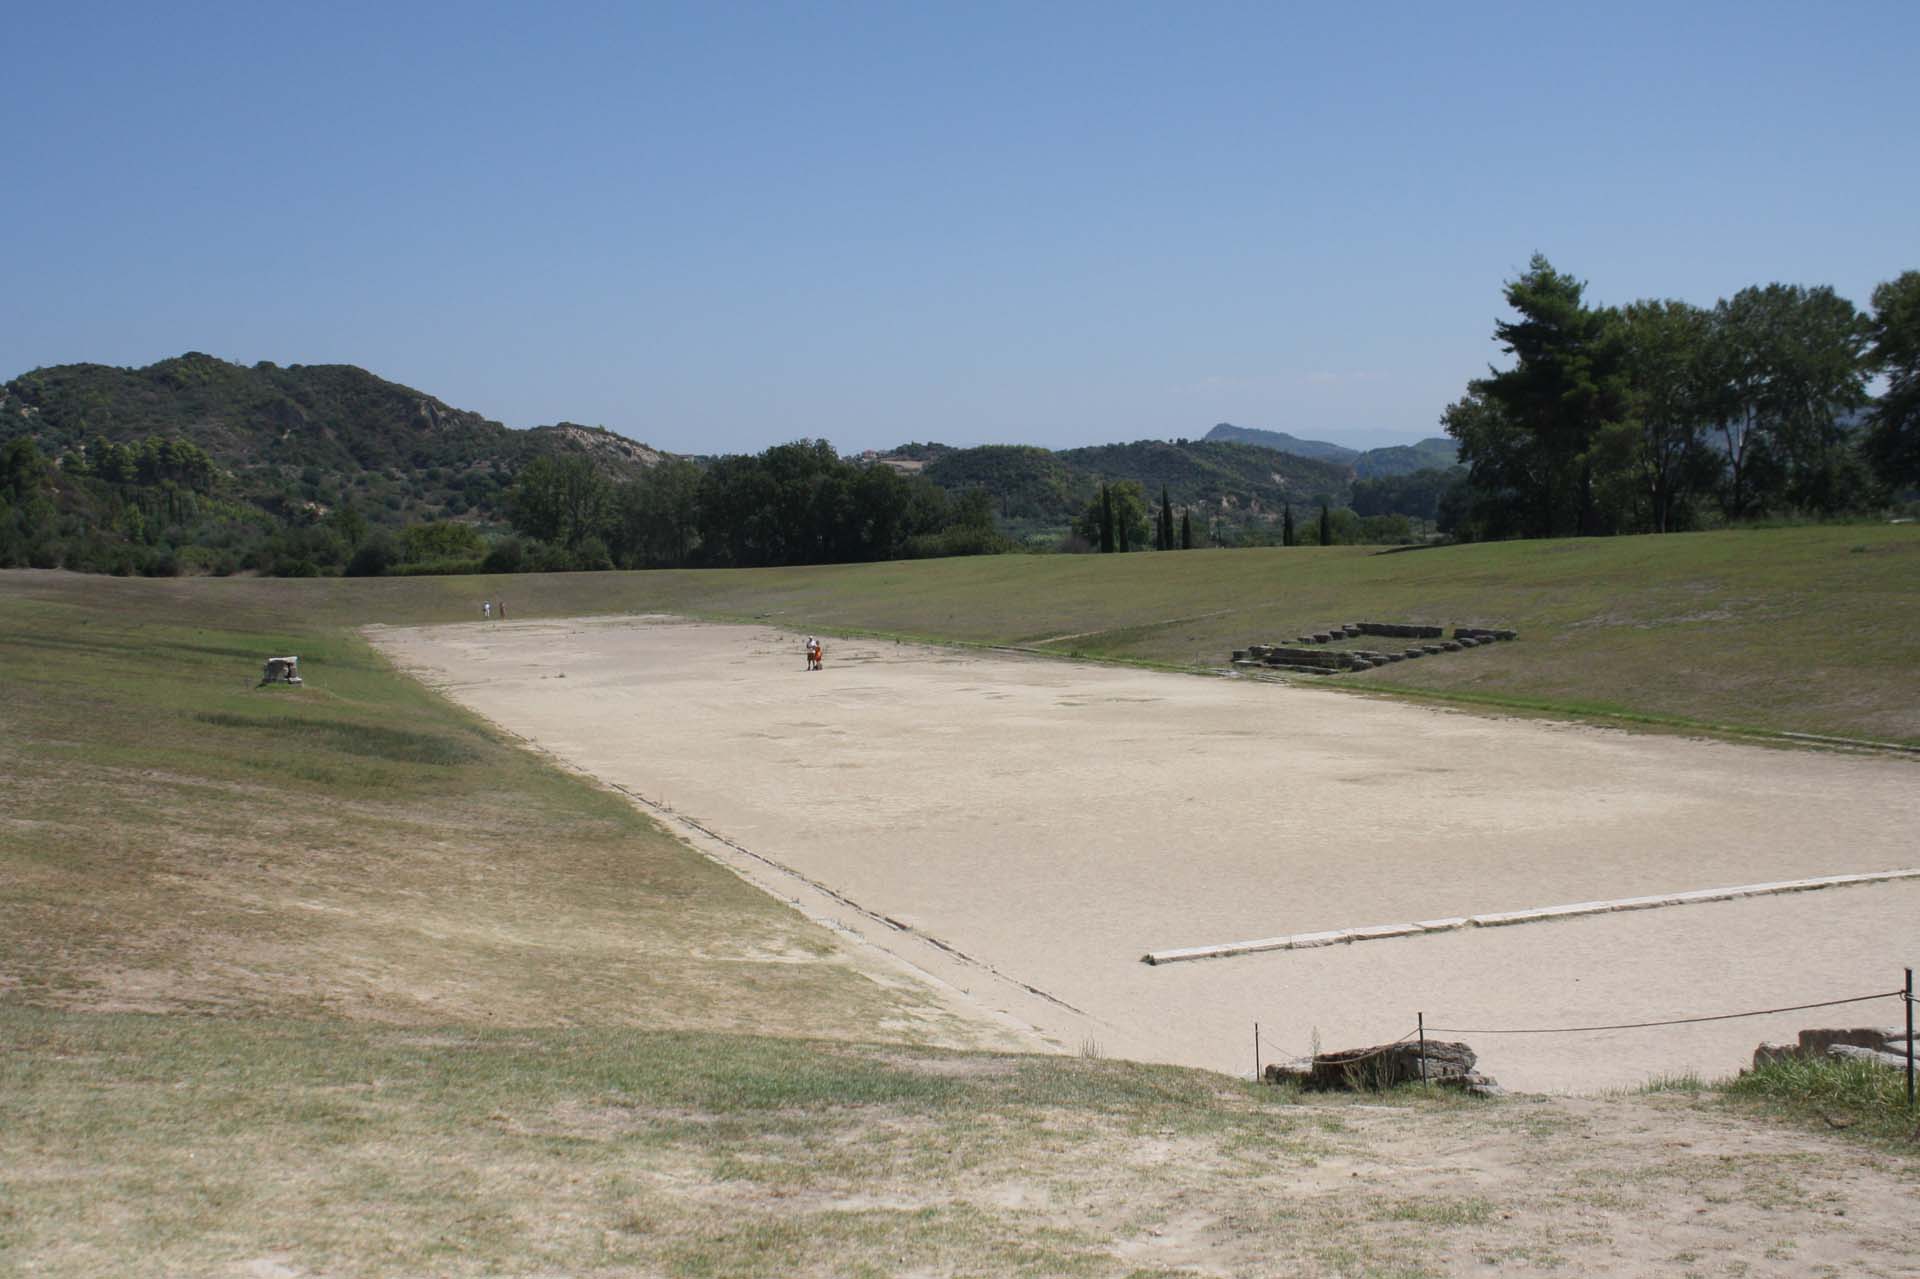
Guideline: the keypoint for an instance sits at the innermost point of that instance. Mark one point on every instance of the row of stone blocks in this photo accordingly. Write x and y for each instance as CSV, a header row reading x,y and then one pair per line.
x,y
1883,1046
1394,630
1294,657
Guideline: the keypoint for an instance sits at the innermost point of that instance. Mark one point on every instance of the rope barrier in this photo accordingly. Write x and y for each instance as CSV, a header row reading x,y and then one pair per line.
x,y
1381,1051
1676,1021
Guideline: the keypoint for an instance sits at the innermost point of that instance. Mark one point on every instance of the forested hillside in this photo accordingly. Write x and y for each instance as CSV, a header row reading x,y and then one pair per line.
x,y
1781,401
1229,487
198,464
304,434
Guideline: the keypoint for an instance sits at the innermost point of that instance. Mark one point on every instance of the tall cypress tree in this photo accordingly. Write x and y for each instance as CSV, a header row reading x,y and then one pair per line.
x,y
1166,520
1326,526
1186,530
1106,520
1286,525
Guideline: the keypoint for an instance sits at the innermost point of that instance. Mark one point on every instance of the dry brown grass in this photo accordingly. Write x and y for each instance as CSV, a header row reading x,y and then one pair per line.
x,y
181,842
144,1145
415,1003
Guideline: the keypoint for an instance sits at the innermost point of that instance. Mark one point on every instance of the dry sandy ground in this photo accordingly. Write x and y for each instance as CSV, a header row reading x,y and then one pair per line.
x,y
1054,821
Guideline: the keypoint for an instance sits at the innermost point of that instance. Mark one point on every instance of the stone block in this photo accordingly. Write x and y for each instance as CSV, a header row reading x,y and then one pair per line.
x,y
1385,1065
1815,1042
1894,1061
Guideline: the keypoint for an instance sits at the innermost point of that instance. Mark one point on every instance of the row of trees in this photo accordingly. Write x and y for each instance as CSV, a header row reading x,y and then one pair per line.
x,y
795,503
1660,415
1118,519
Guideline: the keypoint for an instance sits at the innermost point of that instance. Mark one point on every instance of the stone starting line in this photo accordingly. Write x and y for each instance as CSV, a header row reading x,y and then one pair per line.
x,y
1536,914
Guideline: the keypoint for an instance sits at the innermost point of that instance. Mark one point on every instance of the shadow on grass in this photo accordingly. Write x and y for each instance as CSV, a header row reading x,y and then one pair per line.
x,y
372,740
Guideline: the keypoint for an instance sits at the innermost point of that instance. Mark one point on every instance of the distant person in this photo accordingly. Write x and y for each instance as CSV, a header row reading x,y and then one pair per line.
x,y
500,610
819,656
486,609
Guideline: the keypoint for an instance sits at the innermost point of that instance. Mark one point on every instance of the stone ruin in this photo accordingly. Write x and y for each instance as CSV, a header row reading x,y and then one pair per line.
x,y
1883,1046
281,670
1297,656
1448,1064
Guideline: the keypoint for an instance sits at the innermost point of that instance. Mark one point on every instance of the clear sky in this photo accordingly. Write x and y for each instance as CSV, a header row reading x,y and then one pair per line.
x,y
715,226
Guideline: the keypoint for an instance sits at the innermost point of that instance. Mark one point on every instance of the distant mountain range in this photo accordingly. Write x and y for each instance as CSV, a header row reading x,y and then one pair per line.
x,y
1039,488
1367,464
296,441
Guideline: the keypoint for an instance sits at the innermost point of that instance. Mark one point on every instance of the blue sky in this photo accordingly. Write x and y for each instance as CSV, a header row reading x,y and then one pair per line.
x,y
714,227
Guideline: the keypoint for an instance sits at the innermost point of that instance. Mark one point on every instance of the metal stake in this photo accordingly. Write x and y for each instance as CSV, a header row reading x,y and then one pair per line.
x,y
1909,993
1423,1045
1256,1052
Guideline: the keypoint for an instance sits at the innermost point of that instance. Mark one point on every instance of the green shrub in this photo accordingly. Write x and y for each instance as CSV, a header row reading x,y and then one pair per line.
x,y
508,555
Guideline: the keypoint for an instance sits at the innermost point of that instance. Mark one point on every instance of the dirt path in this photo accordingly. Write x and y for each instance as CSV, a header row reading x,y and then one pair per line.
x,y
1055,821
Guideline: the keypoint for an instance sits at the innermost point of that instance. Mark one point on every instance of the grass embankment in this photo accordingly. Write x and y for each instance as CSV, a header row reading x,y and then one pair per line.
x,y
177,839
1866,1099
332,980
177,1145
1799,630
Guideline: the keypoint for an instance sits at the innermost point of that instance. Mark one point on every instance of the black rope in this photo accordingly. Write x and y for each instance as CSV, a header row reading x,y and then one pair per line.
x,y
1381,1051
1677,1021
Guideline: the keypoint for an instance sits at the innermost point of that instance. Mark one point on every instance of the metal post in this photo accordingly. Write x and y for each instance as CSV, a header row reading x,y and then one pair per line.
x,y
1423,1045
1256,1052
1909,993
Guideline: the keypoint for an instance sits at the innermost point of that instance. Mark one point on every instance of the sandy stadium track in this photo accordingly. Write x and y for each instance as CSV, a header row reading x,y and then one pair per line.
x,y
1055,821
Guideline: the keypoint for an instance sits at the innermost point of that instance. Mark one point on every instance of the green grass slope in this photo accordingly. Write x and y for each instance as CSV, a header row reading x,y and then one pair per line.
x,y
335,981
175,839
1798,630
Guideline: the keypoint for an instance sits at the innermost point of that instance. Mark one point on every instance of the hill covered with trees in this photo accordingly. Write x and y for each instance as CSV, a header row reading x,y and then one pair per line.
x,y
1398,459
199,465
1230,489
285,438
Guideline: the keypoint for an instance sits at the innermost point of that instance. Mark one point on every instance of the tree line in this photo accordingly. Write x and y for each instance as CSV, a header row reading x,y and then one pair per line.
x,y
798,503
1661,416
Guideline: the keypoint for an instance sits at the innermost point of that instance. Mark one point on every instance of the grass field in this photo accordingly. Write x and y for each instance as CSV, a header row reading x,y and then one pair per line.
x,y
143,1145
1804,630
179,840
336,981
